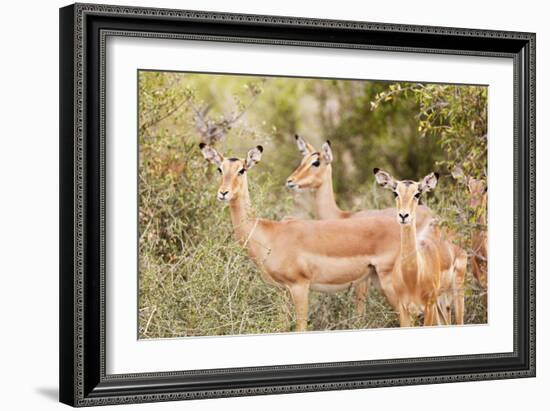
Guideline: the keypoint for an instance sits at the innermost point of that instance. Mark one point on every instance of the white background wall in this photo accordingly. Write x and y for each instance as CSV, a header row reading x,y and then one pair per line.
x,y
29,203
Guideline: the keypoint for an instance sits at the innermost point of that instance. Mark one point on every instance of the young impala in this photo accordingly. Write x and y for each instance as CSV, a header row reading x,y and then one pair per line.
x,y
315,173
478,198
425,264
303,255
477,190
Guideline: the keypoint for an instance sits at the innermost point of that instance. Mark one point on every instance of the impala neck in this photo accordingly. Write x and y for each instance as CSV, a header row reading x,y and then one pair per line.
x,y
241,214
409,253
325,203
483,216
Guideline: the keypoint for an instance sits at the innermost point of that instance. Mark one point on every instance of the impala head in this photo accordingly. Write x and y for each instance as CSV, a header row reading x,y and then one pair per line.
x,y
476,187
478,192
232,170
407,193
313,168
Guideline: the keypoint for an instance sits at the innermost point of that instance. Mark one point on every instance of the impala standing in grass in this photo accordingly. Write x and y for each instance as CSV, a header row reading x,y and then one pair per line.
x,y
478,200
477,196
425,263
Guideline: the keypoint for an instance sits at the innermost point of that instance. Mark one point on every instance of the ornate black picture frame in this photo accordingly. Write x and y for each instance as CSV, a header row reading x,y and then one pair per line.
x,y
83,30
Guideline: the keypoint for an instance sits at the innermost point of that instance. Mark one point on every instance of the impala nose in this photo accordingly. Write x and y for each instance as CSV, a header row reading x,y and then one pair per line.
x,y
290,184
222,195
403,217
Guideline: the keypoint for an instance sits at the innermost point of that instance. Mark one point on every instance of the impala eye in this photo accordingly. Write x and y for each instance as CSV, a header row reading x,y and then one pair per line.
x,y
417,195
316,163
241,171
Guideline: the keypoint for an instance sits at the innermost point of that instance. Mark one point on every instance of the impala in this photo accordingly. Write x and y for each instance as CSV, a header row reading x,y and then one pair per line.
x,y
303,255
478,198
426,266
315,173
477,190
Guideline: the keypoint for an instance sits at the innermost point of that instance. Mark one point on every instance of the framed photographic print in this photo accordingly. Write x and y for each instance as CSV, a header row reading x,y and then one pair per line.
x,y
260,204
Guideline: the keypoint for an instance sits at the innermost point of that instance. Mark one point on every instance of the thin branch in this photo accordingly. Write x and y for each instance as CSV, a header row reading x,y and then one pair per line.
x,y
153,122
149,321
213,131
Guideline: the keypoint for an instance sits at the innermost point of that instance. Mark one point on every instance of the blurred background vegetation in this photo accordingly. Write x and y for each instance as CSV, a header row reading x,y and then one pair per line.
x,y
194,279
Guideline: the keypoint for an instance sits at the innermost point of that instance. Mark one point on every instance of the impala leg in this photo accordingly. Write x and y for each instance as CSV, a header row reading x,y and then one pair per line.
x,y
300,294
429,314
476,270
361,289
449,315
443,315
484,285
404,317
482,279
458,295
459,305
483,276
387,287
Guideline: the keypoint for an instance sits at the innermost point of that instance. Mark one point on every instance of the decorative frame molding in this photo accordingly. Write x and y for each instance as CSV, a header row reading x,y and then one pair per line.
x,y
83,32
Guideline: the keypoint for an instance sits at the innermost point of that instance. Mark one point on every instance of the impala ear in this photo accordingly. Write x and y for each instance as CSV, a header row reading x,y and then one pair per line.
x,y
471,184
327,152
253,157
304,147
384,179
429,182
476,186
210,154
